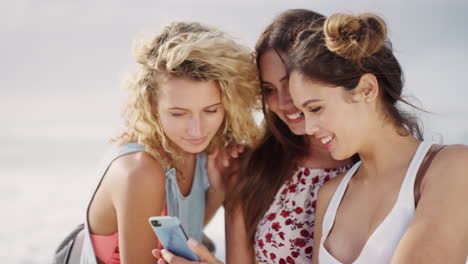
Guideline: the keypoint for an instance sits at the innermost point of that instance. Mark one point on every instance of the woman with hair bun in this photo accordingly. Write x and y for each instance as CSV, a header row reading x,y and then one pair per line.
x,y
405,201
193,94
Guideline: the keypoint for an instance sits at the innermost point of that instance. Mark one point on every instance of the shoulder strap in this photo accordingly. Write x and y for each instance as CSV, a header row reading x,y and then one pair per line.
x,y
422,171
330,213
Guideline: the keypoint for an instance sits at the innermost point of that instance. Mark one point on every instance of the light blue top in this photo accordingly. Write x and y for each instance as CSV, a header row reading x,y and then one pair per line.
x,y
189,209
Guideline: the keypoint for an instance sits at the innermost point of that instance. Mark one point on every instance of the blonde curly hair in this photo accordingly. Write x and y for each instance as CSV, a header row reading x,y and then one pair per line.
x,y
196,52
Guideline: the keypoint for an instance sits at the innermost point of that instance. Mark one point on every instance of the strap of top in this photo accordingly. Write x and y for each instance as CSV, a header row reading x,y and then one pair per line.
x,y
329,217
422,171
408,181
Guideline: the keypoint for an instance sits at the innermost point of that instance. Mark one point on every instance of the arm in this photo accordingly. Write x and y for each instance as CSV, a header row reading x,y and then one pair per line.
x,y
214,199
138,195
222,166
239,249
439,230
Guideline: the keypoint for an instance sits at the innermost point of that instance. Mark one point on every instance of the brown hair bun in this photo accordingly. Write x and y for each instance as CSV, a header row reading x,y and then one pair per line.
x,y
354,37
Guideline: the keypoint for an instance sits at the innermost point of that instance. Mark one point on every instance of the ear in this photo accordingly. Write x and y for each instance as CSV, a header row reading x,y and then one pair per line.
x,y
367,88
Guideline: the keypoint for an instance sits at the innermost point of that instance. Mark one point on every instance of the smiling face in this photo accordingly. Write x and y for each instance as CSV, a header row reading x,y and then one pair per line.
x,y
275,87
190,112
339,119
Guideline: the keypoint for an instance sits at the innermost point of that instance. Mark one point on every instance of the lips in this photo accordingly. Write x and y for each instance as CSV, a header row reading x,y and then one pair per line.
x,y
296,116
196,141
327,141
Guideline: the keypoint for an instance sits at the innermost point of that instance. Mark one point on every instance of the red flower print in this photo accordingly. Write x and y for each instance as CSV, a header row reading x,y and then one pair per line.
x,y
260,243
298,210
281,234
299,242
315,179
285,213
327,170
292,188
271,216
276,226
272,256
285,233
299,175
305,233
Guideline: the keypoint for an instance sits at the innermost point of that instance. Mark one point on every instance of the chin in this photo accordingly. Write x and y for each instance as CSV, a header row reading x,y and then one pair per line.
x,y
338,156
194,149
298,131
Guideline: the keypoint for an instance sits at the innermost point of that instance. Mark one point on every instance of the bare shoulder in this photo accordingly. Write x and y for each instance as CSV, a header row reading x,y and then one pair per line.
x,y
451,163
137,170
447,175
329,188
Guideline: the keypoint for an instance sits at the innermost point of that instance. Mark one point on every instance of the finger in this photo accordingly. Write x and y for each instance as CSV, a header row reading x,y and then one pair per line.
x,y
224,156
161,261
234,153
202,252
156,253
173,259
240,148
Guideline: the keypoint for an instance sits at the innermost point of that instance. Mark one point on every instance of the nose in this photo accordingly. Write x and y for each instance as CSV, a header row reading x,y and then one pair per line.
x,y
284,98
194,128
311,126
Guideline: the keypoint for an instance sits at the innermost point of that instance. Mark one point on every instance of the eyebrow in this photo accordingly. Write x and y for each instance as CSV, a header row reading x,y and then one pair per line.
x,y
180,108
310,101
286,77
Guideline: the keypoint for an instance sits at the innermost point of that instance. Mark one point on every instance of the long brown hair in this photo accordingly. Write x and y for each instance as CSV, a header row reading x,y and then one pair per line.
x,y
342,48
270,163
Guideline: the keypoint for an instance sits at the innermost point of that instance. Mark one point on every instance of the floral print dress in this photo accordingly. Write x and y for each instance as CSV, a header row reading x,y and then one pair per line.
x,y
285,233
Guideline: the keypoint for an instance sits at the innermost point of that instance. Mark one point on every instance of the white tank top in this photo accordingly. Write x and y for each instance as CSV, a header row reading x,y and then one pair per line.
x,y
381,245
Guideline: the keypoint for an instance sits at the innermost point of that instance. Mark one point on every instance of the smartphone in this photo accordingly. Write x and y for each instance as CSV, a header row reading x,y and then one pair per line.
x,y
172,236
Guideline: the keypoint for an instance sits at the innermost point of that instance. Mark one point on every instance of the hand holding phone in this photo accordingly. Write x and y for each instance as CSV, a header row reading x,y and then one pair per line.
x,y
172,236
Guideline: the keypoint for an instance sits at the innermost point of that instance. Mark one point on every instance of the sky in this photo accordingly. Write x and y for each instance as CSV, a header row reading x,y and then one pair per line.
x,y
63,61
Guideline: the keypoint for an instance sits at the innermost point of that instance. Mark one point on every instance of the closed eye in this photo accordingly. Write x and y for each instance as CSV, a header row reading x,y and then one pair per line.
x,y
315,109
267,90
177,114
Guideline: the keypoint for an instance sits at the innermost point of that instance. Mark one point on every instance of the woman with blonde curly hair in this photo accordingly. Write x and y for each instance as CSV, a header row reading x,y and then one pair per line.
x,y
193,94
